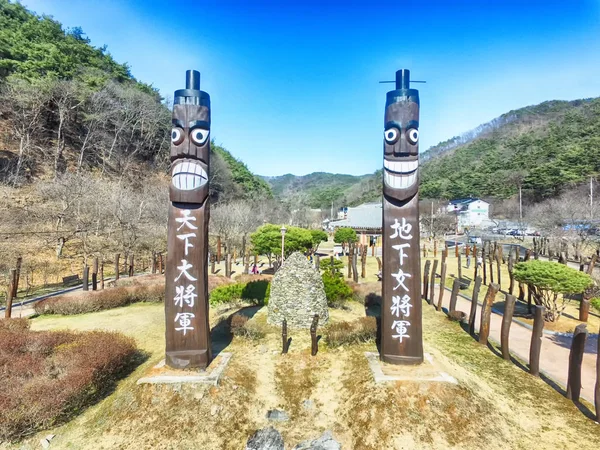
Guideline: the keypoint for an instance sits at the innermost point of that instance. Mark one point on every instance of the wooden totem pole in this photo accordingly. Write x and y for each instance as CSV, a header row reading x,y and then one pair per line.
x,y
401,328
186,295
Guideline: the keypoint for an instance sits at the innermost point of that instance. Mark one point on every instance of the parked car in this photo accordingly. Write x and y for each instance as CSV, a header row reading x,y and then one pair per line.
x,y
475,240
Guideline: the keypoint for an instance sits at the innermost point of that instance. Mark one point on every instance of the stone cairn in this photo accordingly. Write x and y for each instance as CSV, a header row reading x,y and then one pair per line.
x,y
297,294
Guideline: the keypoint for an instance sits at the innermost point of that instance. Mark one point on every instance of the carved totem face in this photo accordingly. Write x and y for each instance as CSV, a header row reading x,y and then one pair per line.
x,y
190,153
401,145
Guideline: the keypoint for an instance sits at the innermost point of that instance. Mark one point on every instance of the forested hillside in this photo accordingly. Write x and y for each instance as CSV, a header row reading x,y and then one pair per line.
x,y
319,189
66,106
546,148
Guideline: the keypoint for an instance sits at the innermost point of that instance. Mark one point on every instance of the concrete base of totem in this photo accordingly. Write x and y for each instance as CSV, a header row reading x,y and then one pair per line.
x,y
162,374
427,371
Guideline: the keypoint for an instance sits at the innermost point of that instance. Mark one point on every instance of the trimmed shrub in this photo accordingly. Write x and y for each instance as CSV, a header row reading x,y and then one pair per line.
x,y
92,301
355,332
240,326
336,290
49,377
254,291
595,302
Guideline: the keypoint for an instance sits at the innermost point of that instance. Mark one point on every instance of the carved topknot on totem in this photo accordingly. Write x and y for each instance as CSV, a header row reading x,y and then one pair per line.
x,y
297,294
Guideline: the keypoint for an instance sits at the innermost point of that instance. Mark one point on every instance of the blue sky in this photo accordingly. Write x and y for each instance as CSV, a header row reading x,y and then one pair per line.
x,y
294,85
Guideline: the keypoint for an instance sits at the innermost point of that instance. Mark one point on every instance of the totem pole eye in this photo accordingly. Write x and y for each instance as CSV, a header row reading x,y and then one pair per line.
x,y
391,135
412,135
176,136
199,136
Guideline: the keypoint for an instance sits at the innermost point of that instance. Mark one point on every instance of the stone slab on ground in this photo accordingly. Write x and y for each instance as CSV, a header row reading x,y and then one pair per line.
x,y
161,374
325,442
427,371
265,439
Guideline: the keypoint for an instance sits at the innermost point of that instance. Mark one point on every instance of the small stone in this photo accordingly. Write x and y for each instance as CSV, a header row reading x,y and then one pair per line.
x,y
214,409
45,443
199,395
265,439
325,442
277,415
308,404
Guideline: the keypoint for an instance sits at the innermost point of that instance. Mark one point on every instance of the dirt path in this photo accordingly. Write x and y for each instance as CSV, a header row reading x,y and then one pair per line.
x,y
554,357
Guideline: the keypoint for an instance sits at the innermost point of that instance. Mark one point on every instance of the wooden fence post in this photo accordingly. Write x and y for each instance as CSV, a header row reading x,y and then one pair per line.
x,y
95,274
354,263
509,309
434,248
9,293
511,265
228,265
350,256
575,360
363,262
86,277
592,264
454,296
153,262
442,287
483,264
102,275
15,286
318,262
486,313
456,252
584,309
131,265
491,263
473,312
536,340
160,263
499,258
426,279
432,283
459,262
213,259
284,338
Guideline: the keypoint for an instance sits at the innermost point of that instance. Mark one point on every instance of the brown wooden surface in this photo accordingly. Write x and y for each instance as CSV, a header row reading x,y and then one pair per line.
x,y
314,347
219,255
509,309
86,278
454,295
483,265
435,249
536,340
350,255
17,277
486,313
511,265
431,293
426,278
459,263
584,310
474,298
354,268
95,275
228,265
160,263
102,275
318,262
592,264
187,332
438,307
575,361
284,337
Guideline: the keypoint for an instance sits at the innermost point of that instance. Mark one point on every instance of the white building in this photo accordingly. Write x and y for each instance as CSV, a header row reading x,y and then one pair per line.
x,y
470,212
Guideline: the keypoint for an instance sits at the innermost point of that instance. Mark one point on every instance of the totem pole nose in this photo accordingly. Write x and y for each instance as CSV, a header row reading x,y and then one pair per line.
x,y
403,79
192,79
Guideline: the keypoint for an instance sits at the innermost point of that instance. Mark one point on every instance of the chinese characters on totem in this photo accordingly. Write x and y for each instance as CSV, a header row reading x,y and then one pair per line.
x,y
401,300
185,294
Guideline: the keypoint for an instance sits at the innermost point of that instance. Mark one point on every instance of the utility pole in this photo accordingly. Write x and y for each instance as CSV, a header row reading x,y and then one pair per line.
x,y
520,204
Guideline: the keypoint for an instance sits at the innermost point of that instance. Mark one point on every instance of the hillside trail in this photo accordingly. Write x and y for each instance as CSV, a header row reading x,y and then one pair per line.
x,y
554,356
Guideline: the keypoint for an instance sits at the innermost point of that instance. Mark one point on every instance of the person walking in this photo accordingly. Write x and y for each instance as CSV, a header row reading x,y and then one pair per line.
x,y
468,260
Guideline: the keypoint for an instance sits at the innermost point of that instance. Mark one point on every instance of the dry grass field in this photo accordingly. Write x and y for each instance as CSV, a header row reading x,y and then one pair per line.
x,y
494,406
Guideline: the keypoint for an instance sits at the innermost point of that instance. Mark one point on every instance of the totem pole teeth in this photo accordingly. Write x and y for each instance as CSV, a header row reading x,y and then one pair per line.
x,y
188,175
400,174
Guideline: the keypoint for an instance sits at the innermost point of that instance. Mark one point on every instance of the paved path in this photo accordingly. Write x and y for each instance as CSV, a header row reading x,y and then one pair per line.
x,y
554,357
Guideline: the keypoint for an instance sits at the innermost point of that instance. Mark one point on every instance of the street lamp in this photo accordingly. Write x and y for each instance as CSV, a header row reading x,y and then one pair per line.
x,y
283,230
